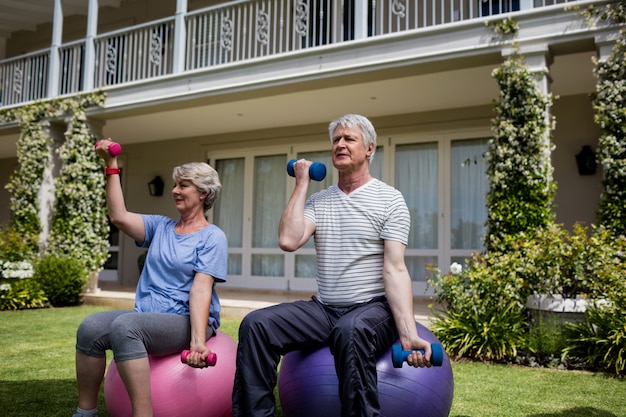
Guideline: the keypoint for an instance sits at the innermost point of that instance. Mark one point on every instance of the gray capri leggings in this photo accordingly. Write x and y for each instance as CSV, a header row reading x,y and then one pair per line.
x,y
133,335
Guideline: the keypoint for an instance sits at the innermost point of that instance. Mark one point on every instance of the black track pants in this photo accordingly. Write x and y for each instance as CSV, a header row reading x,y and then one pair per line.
x,y
357,336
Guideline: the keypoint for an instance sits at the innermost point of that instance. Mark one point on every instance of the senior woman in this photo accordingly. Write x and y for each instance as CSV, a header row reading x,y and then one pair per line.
x,y
176,306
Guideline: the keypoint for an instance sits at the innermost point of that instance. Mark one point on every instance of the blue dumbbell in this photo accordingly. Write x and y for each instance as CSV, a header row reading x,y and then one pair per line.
x,y
398,356
317,170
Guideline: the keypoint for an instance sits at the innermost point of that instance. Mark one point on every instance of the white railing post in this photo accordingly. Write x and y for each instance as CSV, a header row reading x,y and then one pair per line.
x,y
57,38
180,35
89,59
360,19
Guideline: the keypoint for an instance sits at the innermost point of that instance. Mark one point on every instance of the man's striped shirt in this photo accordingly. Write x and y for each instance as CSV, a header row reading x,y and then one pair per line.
x,y
349,239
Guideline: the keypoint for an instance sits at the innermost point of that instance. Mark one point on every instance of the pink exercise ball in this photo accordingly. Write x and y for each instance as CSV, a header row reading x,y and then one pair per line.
x,y
179,390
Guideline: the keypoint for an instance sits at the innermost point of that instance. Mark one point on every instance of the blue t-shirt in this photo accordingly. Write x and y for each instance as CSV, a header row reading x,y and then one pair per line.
x,y
172,262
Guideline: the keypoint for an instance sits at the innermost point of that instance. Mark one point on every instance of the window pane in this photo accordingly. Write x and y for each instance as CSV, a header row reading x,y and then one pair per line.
x,y
417,266
306,266
234,264
268,199
468,187
376,165
416,175
228,208
268,265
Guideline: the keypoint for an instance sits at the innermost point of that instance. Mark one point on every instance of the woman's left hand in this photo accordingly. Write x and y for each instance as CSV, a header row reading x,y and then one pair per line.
x,y
198,355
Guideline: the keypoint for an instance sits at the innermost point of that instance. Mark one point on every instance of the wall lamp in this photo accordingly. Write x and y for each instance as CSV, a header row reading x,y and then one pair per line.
x,y
156,186
586,161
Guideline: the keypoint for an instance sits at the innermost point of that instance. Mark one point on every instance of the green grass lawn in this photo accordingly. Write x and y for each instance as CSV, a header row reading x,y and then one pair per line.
x,y
37,376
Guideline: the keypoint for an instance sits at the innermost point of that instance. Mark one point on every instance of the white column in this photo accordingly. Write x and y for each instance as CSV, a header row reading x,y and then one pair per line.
x,y
538,60
360,19
604,45
90,47
180,35
51,171
57,38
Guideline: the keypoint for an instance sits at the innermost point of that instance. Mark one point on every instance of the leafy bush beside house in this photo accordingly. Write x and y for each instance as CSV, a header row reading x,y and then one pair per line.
x,y
486,317
600,341
17,289
62,278
15,245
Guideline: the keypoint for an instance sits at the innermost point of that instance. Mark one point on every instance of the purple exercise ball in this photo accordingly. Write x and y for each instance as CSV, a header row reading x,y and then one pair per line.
x,y
308,385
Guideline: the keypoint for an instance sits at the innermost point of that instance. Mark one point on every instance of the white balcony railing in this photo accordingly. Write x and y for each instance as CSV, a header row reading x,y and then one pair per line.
x,y
134,54
228,33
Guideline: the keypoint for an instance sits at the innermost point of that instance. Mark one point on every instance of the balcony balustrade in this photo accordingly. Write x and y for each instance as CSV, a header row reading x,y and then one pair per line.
x,y
229,33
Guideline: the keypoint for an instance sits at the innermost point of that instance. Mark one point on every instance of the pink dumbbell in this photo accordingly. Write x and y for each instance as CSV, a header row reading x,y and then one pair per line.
x,y
114,148
211,360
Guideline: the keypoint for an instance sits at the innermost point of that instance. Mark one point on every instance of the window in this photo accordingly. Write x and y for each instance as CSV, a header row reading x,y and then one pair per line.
x,y
443,180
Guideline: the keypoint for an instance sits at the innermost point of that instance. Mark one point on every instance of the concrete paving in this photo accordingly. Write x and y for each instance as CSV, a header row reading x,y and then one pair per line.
x,y
235,302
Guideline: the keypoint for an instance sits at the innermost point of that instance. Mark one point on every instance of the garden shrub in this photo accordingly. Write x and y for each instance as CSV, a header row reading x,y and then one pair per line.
x,y
15,245
484,316
600,341
62,278
553,260
17,289
21,294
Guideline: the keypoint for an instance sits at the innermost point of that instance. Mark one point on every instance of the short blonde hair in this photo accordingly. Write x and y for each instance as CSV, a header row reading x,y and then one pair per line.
x,y
203,177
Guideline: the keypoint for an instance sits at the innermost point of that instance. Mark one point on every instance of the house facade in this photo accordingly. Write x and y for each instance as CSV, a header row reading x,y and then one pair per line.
x,y
249,85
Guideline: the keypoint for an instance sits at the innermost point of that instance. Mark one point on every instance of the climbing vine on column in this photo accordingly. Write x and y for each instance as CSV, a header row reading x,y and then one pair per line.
x,y
79,226
609,103
24,185
80,204
521,186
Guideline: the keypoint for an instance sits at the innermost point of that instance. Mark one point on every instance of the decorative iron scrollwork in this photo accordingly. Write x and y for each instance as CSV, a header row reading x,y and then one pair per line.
x,y
111,59
301,18
226,40
18,80
156,47
262,32
398,8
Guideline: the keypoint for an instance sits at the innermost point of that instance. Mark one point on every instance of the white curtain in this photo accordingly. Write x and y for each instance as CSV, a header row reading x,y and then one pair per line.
x,y
417,178
228,208
267,206
468,188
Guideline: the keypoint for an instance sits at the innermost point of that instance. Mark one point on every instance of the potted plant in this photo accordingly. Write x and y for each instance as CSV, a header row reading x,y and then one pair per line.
x,y
565,270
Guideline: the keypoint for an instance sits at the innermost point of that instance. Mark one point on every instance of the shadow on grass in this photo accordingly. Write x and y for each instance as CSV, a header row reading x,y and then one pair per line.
x,y
577,412
49,397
